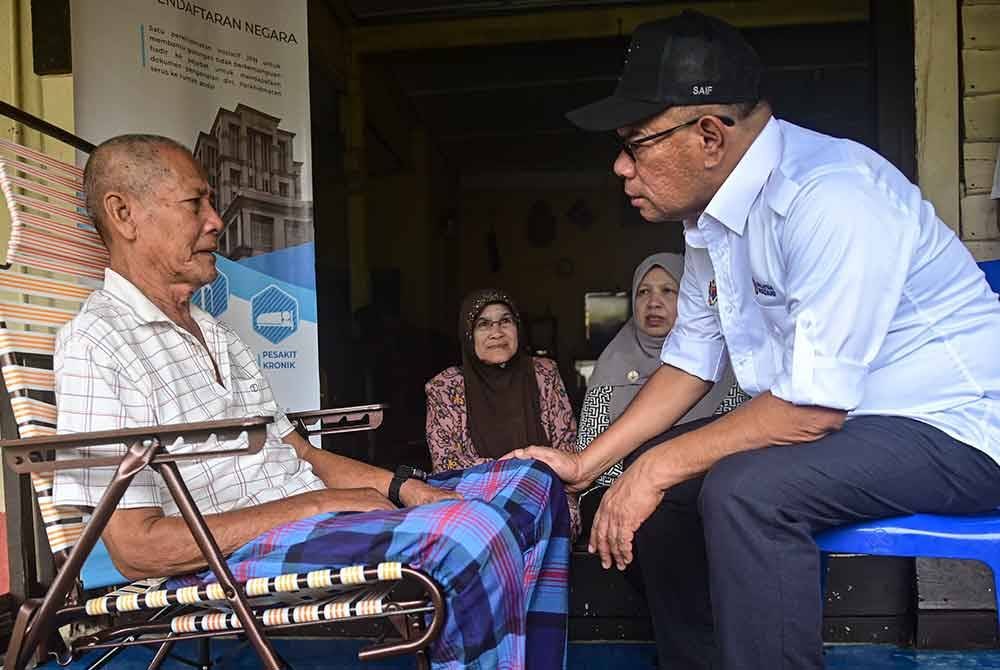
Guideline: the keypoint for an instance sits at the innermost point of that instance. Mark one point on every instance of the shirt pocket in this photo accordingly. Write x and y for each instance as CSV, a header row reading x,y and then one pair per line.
x,y
246,389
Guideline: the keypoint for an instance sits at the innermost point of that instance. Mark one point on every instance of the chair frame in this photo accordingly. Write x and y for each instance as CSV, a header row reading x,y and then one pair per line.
x,y
418,621
39,618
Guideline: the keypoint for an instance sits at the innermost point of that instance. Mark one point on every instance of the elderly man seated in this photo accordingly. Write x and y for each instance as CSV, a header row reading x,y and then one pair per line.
x,y
138,354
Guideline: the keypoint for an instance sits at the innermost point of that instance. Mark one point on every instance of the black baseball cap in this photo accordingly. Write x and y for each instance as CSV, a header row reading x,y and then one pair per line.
x,y
688,59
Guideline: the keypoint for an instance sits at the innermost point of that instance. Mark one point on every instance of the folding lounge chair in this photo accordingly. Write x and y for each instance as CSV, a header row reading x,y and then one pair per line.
x,y
55,259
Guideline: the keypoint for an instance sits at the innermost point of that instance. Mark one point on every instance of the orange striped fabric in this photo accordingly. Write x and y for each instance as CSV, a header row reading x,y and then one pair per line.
x,y
24,342
50,232
50,228
42,159
63,525
21,378
43,287
34,315
29,409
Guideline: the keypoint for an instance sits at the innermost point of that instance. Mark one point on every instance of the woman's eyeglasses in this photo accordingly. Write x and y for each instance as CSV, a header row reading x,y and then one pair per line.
x,y
486,325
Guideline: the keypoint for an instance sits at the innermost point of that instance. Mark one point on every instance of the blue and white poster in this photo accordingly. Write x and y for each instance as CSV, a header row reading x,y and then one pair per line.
x,y
230,80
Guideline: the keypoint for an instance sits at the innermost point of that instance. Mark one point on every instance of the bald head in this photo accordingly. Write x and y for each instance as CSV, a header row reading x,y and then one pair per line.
x,y
129,164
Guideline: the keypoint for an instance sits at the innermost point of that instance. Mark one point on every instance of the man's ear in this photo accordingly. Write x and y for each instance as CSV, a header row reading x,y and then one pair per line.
x,y
118,214
713,139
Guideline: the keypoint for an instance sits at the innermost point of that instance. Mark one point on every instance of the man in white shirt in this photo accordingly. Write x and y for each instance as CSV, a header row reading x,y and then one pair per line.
x,y
495,538
855,318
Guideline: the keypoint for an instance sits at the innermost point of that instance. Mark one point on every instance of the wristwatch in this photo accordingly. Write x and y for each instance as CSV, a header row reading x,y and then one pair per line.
x,y
403,472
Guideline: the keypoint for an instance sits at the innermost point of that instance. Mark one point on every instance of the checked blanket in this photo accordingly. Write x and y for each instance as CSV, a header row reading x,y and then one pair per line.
x,y
501,556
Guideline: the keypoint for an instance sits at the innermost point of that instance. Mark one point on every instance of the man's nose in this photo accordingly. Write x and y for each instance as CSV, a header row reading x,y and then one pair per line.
x,y
624,166
213,221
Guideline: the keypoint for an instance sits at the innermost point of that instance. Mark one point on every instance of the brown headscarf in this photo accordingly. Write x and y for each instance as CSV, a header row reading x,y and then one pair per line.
x,y
502,406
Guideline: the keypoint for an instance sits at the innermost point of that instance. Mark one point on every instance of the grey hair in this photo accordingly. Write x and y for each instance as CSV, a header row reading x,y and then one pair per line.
x,y
129,163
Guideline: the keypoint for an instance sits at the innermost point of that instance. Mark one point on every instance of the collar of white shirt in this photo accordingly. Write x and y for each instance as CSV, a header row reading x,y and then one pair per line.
x,y
145,310
731,204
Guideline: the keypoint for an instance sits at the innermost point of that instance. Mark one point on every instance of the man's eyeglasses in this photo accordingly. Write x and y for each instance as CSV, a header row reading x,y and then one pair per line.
x,y
631,146
486,325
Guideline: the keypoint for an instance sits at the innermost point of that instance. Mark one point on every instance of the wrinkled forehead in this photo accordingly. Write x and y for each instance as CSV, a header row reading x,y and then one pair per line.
x,y
180,171
494,310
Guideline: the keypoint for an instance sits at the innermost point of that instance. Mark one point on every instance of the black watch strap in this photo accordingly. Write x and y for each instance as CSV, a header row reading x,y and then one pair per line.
x,y
403,472
394,485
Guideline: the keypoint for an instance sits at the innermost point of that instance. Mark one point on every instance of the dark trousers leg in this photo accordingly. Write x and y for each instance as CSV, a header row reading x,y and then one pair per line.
x,y
670,551
760,509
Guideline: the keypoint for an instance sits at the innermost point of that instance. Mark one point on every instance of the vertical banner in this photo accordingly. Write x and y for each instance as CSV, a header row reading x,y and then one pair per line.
x,y
230,80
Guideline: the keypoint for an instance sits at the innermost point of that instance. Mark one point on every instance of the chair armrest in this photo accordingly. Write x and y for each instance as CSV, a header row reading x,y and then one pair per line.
x,y
37,454
338,420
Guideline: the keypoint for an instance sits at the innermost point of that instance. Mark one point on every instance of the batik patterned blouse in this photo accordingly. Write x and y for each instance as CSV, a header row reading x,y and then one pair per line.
x,y
595,417
447,430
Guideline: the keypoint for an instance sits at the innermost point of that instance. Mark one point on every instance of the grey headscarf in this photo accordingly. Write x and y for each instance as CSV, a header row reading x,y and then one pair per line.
x,y
633,356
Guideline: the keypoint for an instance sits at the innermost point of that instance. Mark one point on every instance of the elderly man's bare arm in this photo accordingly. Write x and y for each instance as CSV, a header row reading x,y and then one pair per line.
x,y
340,472
145,543
353,487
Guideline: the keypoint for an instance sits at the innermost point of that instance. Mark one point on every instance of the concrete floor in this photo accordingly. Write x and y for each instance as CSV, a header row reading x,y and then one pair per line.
x,y
310,654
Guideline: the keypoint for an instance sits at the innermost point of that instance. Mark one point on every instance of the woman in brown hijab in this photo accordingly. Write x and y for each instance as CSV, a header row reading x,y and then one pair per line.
x,y
501,398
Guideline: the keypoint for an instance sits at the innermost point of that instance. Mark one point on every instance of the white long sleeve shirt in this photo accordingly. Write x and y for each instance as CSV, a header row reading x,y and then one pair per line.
x,y
830,281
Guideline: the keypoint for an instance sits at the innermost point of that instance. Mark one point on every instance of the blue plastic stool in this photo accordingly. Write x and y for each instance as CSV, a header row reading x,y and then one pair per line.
x,y
928,535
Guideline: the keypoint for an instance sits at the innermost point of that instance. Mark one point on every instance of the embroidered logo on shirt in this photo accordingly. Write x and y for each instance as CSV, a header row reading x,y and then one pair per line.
x,y
760,288
713,293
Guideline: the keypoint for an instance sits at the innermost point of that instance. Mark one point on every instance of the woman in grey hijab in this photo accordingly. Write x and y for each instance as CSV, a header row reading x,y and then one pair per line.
x,y
634,355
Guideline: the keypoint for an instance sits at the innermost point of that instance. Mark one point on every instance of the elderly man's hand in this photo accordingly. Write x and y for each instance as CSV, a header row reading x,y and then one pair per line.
x,y
625,506
566,465
414,492
363,499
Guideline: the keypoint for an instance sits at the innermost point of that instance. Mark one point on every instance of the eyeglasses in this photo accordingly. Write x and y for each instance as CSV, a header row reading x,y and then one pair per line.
x,y
486,325
631,146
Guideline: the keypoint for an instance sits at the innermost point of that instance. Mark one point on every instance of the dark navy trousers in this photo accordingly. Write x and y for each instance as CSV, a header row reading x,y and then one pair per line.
x,y
731,571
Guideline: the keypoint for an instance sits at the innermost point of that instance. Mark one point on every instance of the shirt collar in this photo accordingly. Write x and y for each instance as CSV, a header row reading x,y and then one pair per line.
x,y
121,288
731,203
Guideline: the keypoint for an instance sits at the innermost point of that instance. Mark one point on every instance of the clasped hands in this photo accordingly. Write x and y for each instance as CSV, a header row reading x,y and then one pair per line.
x,y
626,505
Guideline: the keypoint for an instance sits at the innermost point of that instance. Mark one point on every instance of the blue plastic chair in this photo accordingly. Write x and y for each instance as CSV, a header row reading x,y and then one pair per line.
x,y
928,535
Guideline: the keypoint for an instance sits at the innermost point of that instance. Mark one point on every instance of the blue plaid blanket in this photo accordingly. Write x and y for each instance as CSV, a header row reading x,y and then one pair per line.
x,y
501,556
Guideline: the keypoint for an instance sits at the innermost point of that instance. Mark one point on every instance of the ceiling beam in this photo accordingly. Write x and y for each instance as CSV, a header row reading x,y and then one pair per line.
x,y
490,87
591,23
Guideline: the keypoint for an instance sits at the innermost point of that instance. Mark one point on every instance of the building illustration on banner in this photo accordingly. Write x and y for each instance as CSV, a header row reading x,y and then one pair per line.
x,y
257,182
214,297
274,313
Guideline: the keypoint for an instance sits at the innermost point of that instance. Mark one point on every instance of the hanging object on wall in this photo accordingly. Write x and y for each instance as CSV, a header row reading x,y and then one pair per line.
x,y
565,267
448,224
579,214
540,228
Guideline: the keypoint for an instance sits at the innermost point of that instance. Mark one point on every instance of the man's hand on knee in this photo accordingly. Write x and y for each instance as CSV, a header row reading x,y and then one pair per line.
x,y
415,492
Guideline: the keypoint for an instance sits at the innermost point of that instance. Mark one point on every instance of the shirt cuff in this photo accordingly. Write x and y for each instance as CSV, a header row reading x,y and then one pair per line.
x,y
699,357
282,426
815,379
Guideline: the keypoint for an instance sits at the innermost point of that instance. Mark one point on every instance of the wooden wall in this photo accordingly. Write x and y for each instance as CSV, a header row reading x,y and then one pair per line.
x,y
956,599
980,129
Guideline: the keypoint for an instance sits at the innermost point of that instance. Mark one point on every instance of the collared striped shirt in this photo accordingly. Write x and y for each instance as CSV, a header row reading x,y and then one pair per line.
x,y
122,363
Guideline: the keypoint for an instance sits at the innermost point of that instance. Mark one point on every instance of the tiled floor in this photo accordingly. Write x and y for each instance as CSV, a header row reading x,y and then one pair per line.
x,y
341,655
